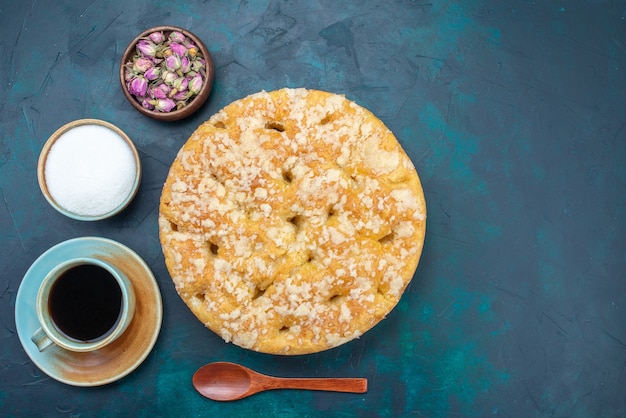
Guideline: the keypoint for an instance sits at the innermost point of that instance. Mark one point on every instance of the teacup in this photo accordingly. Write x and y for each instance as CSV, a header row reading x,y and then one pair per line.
x,y
83,305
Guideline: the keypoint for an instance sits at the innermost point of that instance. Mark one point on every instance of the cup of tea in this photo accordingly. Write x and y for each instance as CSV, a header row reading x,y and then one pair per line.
x,y
83,305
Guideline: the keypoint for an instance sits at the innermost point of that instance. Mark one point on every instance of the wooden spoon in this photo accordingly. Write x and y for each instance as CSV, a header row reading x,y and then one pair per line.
x,y
223,381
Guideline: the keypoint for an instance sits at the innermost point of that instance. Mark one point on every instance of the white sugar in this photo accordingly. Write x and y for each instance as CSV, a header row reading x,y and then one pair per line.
x,y
90,170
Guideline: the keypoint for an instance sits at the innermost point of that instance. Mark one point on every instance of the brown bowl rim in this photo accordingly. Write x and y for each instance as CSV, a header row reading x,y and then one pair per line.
x,y
196,103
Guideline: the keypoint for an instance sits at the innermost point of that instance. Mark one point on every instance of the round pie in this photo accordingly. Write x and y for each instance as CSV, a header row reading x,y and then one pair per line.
x,y
292,221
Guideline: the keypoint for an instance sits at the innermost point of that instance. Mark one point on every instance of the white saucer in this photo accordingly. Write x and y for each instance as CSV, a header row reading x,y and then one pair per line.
x,y
119,358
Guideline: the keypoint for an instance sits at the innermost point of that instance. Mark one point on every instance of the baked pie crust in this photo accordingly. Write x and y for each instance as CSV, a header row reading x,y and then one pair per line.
x,y
292,221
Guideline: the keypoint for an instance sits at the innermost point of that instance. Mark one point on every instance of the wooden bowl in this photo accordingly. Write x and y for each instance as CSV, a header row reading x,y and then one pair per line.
x,y
196,102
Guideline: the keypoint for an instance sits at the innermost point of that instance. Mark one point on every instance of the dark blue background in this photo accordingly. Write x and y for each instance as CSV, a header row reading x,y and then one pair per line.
x,y
514,115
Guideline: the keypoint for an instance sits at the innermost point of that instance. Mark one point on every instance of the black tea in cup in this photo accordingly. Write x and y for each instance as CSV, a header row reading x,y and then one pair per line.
x,y
85,302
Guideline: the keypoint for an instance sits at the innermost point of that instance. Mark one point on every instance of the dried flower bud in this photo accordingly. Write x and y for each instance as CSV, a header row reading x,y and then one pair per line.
x,y
138,86
145,103
195,85
181,96
147,48
152,73
178,49
185,65
172,62
164,87
177,37
197,64
169,77
157,37
141,65
180,83
192,51
163,105
156,93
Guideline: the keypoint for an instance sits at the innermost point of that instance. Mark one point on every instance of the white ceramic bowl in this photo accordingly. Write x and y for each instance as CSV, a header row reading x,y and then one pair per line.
x,y
121,201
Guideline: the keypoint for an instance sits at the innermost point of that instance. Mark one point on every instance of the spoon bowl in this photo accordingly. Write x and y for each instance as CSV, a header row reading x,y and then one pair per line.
x,y
223,381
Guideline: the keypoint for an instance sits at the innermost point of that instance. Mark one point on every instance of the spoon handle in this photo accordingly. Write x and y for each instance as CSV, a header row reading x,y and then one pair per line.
x,y
344,384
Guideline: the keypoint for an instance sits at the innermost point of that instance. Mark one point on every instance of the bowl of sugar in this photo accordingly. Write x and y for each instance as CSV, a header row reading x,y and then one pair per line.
x,y
89,170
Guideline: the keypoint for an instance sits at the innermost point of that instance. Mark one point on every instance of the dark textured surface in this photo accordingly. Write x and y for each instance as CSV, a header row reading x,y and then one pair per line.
x,y
514,115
